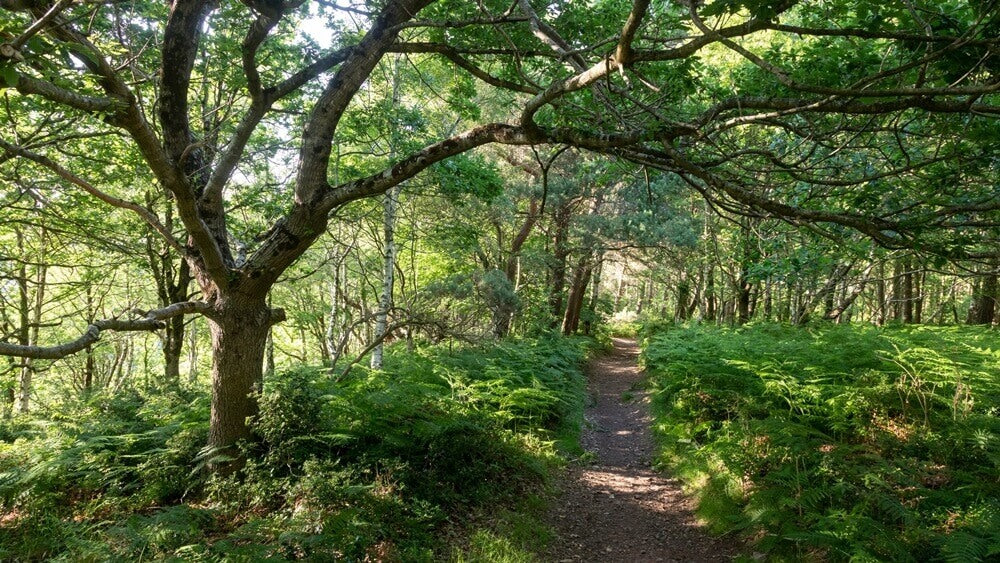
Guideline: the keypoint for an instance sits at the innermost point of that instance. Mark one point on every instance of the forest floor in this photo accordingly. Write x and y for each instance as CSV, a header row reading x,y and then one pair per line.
x,y
615,507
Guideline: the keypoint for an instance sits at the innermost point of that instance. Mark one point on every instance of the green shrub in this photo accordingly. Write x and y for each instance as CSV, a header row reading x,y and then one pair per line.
x,y
374,465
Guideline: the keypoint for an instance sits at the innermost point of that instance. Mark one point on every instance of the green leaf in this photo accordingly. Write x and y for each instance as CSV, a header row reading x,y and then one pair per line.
x,y
8,76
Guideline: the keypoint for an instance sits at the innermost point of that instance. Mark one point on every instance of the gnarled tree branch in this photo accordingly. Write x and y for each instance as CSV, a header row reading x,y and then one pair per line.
x,y
153,320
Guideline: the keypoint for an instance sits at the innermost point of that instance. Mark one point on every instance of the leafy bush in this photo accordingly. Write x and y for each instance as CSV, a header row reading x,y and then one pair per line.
x,y
372,466
837,443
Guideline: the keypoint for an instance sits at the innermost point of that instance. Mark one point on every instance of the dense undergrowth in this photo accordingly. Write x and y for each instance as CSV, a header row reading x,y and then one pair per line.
x,y
415,463
837,443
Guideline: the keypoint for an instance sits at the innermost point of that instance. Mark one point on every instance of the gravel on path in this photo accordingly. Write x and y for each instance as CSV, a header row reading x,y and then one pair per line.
x,y
617,509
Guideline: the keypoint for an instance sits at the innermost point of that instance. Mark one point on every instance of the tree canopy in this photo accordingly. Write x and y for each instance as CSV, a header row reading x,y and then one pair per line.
x,y
223,136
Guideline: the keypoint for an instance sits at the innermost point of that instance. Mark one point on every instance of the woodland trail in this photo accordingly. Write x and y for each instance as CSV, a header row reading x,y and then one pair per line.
x,y
617,509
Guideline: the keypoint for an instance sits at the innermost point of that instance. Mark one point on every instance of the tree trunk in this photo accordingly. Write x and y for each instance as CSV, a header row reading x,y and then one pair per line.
x,y
683,295
173,334
193,352
845,315
650,294
390,203
984,298
173,344
918,297
743,290
89,365
239,329
173,278
748,254
907,291
806,306
595,295
695,300
768,303
828,304
339,314
88,370
619,290
10,397
640,298
560,252
880,309
954,303
710,293
331,325
577,291
785,308
897,291
848,298
269,366
389,268
503,316
31,318
23,337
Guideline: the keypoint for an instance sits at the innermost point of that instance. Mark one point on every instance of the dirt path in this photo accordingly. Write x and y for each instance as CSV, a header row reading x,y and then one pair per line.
x,y
618,509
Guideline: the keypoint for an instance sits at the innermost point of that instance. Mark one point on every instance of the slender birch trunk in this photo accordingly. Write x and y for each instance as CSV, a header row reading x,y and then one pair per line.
x,y
385,301
390,204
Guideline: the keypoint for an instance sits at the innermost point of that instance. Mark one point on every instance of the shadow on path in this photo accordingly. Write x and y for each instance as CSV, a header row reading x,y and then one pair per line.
x,y
618,508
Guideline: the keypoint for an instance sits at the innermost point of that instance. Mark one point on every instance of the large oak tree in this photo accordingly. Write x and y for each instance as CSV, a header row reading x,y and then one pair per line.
x,y
730,96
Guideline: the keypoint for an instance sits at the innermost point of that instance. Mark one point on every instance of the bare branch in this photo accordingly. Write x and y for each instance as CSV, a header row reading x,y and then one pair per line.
x,y
455,56
310,72
244,130
623,53
162,162
255,36
450,24
40,23
28,85
877,34
153,320
317,138
181,38
550,37
783,106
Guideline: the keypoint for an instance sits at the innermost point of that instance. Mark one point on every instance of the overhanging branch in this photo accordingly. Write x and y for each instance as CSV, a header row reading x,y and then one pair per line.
x,y
152,320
